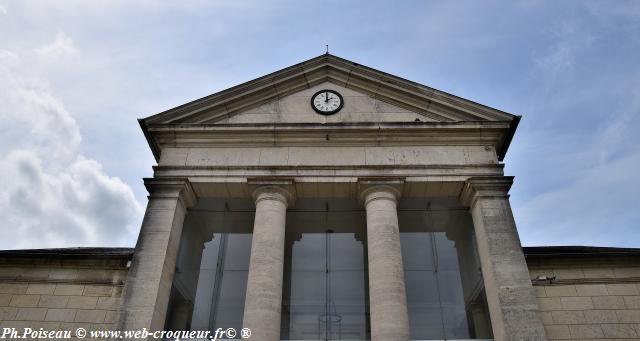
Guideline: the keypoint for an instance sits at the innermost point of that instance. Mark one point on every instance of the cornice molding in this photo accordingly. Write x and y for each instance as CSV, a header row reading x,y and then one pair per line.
x,y
413,96
171,188
313,134
458,121
485,187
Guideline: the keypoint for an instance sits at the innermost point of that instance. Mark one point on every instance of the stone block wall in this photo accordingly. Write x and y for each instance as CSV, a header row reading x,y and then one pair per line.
x,y
588,293
593,297
62,289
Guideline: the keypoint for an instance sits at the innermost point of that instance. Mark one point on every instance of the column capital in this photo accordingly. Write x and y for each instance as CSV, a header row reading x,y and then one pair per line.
x,y
171,187
266,189
373,189
485,187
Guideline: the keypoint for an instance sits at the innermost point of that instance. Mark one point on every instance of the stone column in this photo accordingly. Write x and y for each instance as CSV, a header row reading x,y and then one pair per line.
x,y
512,303
263,302
387,295
148,285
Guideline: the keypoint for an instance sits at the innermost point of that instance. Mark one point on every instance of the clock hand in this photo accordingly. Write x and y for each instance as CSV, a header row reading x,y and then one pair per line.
x,y
326,96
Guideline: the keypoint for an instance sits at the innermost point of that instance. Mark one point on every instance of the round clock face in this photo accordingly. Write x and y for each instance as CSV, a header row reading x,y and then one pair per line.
x,y
326,102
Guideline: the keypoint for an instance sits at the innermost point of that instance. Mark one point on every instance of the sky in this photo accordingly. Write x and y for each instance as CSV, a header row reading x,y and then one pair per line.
x,y
75,75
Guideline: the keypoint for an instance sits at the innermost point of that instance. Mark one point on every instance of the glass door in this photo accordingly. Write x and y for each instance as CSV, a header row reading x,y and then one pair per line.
x,y
325,291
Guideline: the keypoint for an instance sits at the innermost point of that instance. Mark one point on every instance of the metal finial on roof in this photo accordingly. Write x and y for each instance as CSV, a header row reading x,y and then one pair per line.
x,y
327,52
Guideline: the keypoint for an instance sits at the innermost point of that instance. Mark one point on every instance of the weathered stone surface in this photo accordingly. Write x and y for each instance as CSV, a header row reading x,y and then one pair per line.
x,y
93,316
31,314
24,301
512,301
600,316
68,289
619,331
608,302
5,299
561,290
632,302
550,303
98,290
329,155
263,300
387,296
591,290
559,332
296,108
568,317
82,302
61,315
47,301
597,306
13,288
149,280
576,303
40,289
622,289
586,331
8,313
48,292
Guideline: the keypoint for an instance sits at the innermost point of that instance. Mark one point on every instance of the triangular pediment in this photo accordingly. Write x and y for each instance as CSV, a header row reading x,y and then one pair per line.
x,y
372,96
296,108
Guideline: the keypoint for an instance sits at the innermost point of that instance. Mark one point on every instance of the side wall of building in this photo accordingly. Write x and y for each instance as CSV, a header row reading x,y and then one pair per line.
x,y
593,296
57,292
586,296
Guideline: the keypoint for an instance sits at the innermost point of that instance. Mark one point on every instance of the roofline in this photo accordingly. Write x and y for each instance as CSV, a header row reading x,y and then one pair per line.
x,y
419,84
466,107
327,55
509,137
155,149
577,251
117,252
71,253
237,86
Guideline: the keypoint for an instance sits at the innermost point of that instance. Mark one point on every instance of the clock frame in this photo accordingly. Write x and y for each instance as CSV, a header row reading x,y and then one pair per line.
x,y
329,112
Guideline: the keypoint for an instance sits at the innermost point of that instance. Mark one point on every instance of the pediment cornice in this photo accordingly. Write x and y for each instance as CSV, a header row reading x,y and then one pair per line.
x,y
434,104
452,119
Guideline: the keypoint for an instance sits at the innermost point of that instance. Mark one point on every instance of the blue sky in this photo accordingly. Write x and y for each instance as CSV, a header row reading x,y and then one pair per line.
x,y
75,76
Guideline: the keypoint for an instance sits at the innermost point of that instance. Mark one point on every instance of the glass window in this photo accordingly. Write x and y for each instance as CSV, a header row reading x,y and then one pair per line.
x,y
206,283
222,282
434,292
325,290
325,283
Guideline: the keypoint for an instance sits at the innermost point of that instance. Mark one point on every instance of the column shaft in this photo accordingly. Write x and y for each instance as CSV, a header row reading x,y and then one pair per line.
x,y
264,285
148,285
387,296
512,303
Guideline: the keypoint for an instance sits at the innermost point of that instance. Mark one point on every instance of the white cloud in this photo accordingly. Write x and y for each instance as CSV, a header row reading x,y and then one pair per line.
x,y
52,195
61,47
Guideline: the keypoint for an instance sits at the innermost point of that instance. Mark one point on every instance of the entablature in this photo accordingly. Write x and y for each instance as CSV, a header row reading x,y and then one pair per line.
x,y
483,133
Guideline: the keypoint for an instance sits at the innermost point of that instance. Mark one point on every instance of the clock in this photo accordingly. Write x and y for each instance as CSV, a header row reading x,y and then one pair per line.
x,y
327,102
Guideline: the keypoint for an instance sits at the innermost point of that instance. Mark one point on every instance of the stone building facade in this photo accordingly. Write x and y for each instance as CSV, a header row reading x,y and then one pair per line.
x,y
332,201
584,293
587,293
62,289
